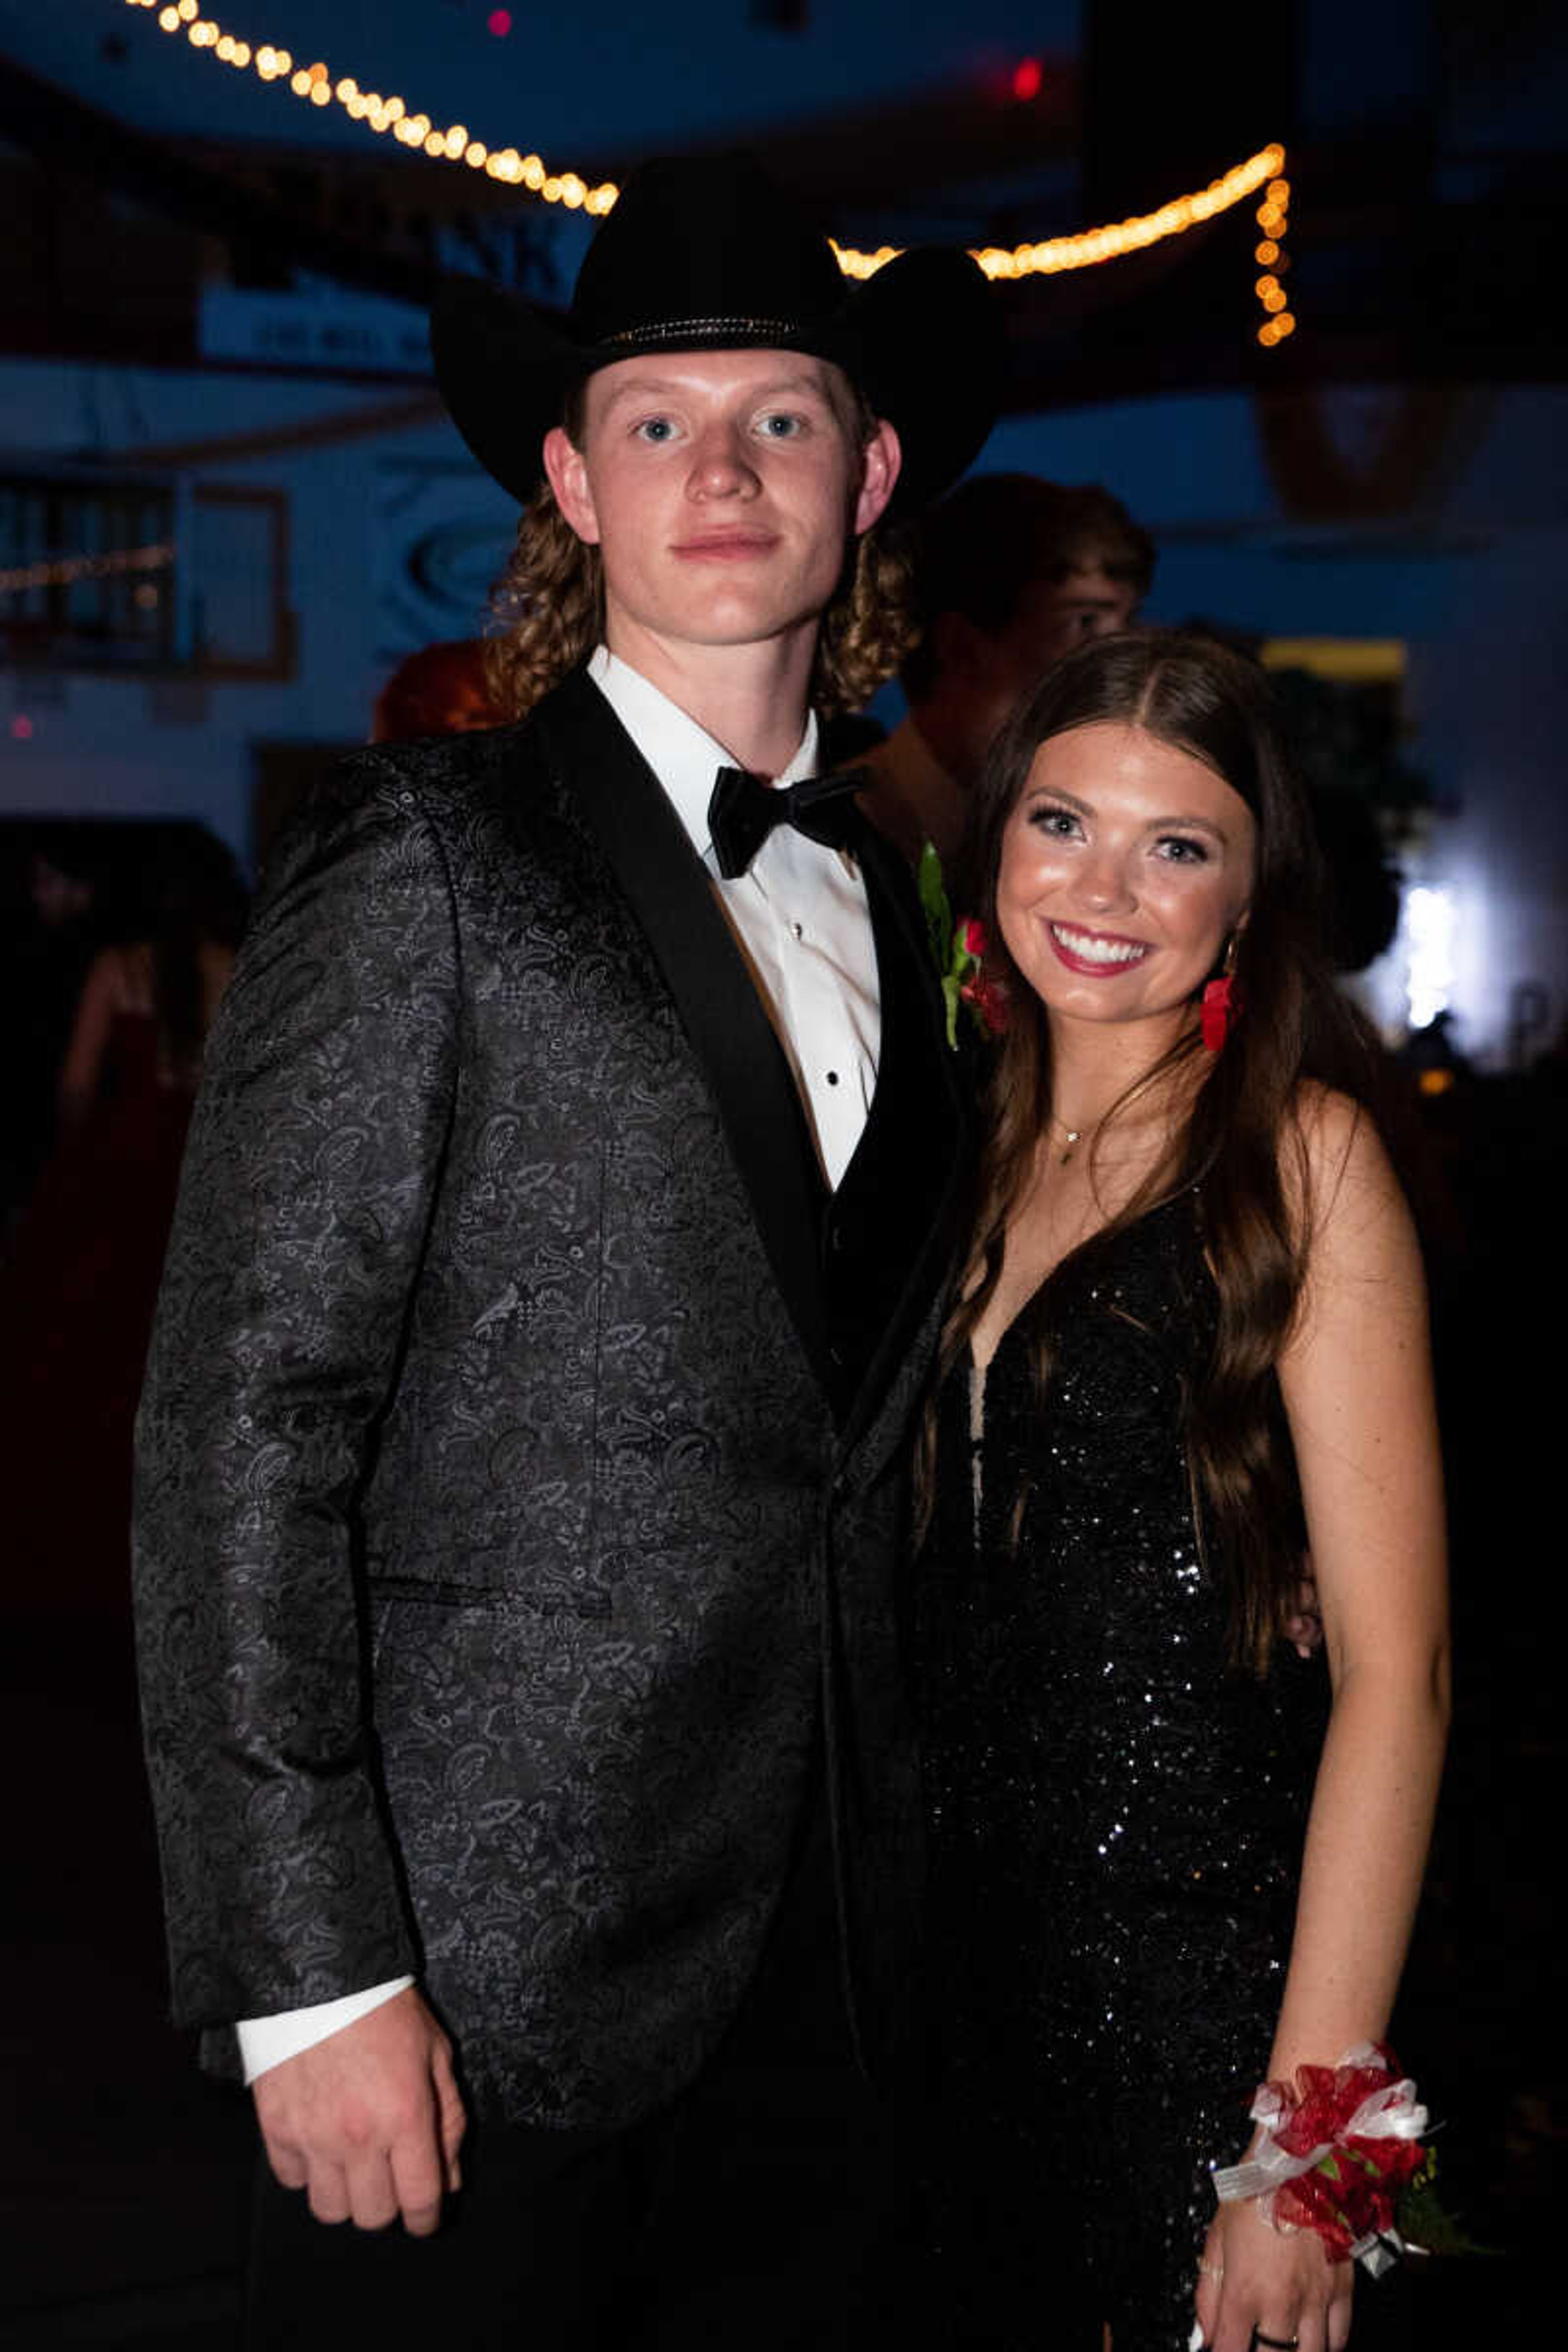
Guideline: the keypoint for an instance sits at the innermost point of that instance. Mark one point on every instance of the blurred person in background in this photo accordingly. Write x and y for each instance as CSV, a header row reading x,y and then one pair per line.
x,y
440,689
53,923
1011,572
77,1303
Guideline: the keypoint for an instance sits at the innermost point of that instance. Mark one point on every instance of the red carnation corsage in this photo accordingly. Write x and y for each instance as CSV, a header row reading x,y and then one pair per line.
x,y
1334,2153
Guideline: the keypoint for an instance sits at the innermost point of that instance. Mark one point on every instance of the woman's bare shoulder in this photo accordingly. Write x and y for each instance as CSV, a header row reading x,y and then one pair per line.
x,y
1333,1154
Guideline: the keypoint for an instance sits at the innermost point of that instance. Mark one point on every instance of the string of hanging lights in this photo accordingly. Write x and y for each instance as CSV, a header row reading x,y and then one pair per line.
x,y
1090,246
1273,217
315,85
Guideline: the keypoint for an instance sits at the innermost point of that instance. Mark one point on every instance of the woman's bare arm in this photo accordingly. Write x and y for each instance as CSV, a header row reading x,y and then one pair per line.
x,y
1357,1386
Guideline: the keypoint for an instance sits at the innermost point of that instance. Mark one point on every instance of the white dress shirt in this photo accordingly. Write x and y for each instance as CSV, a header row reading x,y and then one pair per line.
x,y
800,916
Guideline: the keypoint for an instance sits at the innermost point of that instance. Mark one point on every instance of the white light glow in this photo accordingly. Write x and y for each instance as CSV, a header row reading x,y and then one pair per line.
x,y
1430,928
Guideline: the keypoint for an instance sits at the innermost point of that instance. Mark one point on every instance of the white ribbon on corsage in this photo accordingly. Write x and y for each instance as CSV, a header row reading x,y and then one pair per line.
x,y
1391,2112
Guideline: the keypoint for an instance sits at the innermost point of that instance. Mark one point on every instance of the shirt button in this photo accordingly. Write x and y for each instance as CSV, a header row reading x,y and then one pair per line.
x,y
798,929
832,1077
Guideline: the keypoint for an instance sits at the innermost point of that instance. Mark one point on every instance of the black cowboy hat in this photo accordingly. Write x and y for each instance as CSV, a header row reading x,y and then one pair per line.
x,y
708,254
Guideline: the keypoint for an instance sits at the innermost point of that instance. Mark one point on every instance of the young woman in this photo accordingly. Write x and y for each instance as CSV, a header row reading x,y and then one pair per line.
x,y
1188,1349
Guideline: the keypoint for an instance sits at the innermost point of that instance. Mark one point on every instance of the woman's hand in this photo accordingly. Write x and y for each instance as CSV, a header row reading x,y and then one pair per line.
x,y
1254,2278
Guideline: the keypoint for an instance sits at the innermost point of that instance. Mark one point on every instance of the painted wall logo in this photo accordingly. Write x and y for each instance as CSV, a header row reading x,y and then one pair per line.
x,y
444,530
345,334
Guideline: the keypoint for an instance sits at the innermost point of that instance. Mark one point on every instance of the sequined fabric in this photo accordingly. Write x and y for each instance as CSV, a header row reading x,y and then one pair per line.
x,y
1116,1819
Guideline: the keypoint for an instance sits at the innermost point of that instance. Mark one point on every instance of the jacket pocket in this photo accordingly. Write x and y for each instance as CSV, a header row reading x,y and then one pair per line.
x,y
556,1596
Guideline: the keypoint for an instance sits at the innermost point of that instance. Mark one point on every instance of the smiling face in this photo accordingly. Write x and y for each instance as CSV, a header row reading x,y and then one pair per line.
x,y
722,489
1125,866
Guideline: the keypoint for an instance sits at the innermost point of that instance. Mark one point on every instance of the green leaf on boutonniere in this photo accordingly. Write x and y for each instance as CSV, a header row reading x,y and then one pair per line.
x,y
958,950
934,898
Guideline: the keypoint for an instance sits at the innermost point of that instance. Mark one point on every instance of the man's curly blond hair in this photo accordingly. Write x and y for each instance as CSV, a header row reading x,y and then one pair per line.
x,y
548,609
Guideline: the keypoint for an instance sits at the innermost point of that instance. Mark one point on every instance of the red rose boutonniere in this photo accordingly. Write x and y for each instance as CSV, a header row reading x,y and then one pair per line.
x,y
959,948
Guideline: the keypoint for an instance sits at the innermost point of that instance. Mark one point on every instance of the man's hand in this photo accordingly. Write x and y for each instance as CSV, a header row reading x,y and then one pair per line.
x,y
369,2121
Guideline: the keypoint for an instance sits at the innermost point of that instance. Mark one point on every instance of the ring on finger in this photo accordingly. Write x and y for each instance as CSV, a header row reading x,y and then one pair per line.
x,y
1276,2343
1210,2270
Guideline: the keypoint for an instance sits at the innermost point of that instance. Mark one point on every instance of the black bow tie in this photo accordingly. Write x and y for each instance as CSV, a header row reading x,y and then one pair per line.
x,y
742,811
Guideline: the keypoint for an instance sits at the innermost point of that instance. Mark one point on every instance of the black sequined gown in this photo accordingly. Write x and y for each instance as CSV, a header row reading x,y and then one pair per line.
x,y
1116,1819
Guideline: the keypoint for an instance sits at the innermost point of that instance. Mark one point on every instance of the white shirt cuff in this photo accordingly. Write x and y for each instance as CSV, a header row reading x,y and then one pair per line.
x,y
266,2041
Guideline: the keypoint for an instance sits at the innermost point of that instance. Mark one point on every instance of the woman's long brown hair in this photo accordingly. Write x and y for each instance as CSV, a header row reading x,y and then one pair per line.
x,y
1241,1144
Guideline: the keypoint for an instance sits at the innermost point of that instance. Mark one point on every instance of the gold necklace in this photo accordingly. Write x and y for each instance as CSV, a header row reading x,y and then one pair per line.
x,y
1071,1137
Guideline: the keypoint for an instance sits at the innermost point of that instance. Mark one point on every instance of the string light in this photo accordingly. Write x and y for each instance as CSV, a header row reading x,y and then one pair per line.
x,y
59,570
315,86
1273,217
1090,246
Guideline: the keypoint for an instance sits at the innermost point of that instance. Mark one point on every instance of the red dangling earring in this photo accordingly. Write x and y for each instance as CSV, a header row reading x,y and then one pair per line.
x,y
1221,1001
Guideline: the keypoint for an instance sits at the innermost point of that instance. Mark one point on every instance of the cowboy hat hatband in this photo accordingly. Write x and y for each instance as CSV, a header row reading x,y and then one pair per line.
x,y
708,254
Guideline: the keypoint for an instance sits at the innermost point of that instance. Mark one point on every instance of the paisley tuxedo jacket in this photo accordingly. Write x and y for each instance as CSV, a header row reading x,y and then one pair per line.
x,y
517,1521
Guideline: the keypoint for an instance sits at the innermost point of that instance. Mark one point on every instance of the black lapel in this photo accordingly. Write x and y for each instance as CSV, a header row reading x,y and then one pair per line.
x,y
928,1103
605,777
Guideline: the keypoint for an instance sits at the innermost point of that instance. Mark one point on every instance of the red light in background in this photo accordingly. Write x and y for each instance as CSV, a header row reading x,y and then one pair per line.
x,y
21,727
499,21
1028,76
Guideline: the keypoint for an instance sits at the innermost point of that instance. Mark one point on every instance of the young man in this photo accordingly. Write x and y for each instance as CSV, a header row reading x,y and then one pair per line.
x,y
517,1539
1011,573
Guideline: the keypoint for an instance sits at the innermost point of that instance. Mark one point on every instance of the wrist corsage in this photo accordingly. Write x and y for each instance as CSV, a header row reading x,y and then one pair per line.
x,y
959,948
1334,2153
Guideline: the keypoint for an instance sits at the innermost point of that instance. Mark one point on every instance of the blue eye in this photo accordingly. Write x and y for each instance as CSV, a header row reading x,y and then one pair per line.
x,y
780,426
657,429
1058,823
